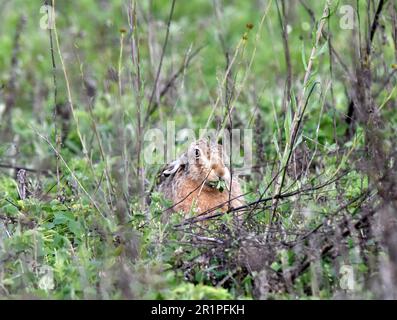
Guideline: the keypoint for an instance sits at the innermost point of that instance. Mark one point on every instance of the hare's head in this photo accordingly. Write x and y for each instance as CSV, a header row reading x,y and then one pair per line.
x,y
206,162
203,161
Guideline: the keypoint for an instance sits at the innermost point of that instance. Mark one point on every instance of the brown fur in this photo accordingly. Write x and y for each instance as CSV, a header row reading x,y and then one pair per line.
x,y
185,181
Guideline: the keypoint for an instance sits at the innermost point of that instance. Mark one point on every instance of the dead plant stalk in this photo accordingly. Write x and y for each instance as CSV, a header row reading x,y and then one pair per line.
x,y
297,118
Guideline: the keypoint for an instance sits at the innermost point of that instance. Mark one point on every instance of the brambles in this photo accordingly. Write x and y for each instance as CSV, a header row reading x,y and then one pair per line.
x,y
81,99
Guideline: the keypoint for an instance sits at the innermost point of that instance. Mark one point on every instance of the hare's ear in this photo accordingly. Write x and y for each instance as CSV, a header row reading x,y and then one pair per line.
x,y
184,159
224,152
175,165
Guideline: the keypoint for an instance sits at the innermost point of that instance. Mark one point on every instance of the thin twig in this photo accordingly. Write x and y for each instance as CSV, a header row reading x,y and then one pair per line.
x,y
160,63
58,136
300,109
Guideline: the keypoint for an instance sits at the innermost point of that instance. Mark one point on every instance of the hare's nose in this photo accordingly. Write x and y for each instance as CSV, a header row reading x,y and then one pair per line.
x,y
219,171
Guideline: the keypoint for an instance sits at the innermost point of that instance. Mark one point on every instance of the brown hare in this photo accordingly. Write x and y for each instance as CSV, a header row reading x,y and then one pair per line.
x,y
199,181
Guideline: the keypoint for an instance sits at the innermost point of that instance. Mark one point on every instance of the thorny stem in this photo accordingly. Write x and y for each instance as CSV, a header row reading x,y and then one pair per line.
x,y
68,89
135,56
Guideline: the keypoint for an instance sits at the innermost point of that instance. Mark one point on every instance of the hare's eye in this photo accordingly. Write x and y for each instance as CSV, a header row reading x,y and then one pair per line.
x,y
197,153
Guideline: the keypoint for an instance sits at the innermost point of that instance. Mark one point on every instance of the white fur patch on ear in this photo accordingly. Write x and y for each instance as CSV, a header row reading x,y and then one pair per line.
x,y
175,165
